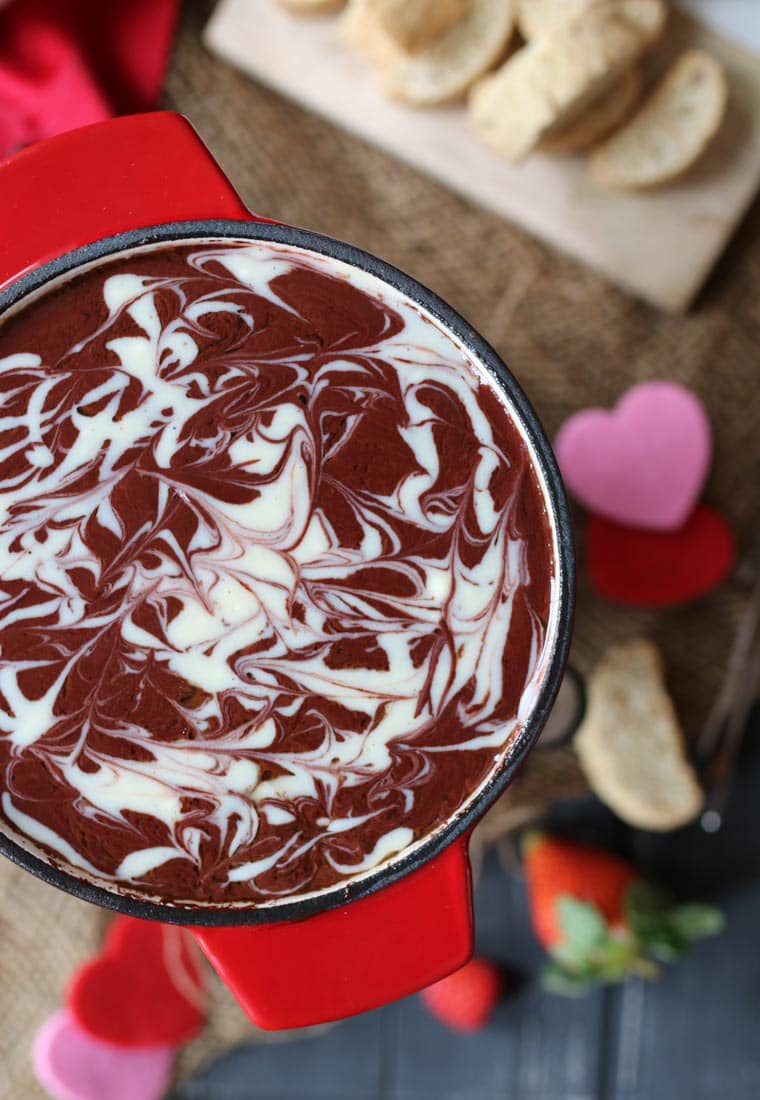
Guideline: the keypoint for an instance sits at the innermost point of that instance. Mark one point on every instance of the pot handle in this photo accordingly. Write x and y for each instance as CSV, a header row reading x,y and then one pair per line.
x,y
347,960
145,170
130,172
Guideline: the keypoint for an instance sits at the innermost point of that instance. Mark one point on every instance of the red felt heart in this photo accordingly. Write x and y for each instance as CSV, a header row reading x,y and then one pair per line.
x,y
659,568
145,989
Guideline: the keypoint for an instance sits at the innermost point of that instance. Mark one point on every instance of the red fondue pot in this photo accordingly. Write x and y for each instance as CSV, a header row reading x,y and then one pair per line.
x,y
147,178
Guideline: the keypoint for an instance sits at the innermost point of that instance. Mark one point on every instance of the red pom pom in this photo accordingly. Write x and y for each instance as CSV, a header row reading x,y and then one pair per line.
x,y
465,999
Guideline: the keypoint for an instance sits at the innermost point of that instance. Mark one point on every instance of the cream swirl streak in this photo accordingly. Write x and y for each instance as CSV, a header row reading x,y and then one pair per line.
x,y
275,572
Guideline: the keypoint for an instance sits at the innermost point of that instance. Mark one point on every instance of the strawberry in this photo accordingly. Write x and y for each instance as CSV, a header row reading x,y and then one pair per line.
x,y
555,867
599,920
465,999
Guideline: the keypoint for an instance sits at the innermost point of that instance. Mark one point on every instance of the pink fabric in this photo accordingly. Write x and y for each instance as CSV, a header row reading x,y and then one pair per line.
x,y
66,63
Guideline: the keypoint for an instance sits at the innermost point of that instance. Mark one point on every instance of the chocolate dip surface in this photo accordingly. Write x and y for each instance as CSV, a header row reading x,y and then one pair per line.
x,y
275,573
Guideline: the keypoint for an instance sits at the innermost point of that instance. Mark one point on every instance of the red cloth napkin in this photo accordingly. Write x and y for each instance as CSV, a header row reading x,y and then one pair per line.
x,y
66,63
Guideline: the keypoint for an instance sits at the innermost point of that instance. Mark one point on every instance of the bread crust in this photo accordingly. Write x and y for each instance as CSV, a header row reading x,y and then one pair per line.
x,y
552,80
630,743
415,23
535,18
361,31
603,116
672,129
446,68
312,7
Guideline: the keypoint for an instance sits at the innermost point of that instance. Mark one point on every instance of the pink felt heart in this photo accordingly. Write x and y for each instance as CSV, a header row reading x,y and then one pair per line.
x,y
644,463
71,1065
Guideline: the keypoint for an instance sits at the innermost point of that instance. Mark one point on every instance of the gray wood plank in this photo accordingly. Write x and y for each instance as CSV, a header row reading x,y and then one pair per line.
x,y
344,1063
691,1036
535,1047
694,1035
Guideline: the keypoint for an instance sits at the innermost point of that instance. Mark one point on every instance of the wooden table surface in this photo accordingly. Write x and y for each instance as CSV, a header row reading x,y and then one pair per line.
x,y
694,1035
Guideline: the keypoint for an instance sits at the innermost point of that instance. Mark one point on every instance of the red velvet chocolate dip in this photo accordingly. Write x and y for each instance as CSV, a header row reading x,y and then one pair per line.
x,y
275,573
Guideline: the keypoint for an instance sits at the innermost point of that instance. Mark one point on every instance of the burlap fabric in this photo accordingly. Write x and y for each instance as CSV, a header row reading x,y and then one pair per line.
x,y
570,337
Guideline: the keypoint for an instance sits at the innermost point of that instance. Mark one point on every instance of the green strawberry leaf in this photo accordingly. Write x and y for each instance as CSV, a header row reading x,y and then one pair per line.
x,y
554,979
590,952
569,956
667,929
617,957
695,922
582,925
608,969
577,955
645,905
667,944
649,912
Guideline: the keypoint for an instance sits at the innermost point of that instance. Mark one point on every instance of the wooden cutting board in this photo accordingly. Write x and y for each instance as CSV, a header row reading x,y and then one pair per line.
x,y
660,245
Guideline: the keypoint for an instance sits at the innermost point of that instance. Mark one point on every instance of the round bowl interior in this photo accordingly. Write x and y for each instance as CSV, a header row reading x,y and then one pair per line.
x,y
557,646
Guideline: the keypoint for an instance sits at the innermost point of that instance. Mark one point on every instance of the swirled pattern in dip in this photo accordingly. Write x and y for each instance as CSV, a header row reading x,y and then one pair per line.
x,y
275,573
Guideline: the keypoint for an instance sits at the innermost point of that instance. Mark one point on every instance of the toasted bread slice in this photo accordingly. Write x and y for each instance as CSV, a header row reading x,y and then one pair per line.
x,y
312,7
598,120
444,69
671,131
630,744
360,30
415,23
551,81
535,18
